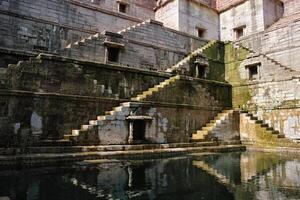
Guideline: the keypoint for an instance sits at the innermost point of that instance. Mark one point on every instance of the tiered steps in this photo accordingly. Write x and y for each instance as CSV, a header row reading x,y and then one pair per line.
x,y
267,129
32,60
84,42
207,132
156,88
187,59
88,40
252,54
133,27
89,131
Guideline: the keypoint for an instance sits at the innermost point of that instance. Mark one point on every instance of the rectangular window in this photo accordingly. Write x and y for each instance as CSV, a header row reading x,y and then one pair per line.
x,y
122,7
113,54
239,32
253,71
200,32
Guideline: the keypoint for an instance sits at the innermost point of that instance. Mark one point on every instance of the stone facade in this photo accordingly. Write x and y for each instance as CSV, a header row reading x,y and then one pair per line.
x,y
98,72
250,17
190,17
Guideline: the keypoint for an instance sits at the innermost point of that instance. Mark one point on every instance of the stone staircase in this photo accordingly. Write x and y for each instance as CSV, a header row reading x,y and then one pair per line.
x,y
212,128
156,88
187,59
272,61
131,28
85,41
266,127
262,131
89,131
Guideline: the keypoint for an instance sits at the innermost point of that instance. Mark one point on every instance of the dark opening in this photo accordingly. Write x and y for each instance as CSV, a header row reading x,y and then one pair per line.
x,y
139,129
239,32
113,54
201,32
253,72
200,71
122,8
3,109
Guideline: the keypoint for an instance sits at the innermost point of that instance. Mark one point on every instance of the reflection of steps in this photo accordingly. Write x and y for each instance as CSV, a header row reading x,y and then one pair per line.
x,y
79,184
265,128
187,59
213,127
219,177
256,164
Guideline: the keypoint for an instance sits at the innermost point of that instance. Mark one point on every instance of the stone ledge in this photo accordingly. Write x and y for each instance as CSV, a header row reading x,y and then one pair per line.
x,y
282,150
152,21
21,93
67,158
104,65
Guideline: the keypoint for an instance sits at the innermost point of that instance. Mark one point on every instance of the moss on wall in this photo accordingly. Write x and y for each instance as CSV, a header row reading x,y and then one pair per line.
x,y
233,58
215,55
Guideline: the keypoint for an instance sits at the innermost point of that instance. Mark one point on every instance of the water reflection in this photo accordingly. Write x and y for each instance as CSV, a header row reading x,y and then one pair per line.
x,y
245,175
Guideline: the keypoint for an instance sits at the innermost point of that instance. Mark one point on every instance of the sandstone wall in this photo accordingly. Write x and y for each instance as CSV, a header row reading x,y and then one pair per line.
x,y
273,10
148,45
51,25
254,15
291,7
249,14
271,96
169,14
142,9
280,42
194,15
188,16
48,98
222,5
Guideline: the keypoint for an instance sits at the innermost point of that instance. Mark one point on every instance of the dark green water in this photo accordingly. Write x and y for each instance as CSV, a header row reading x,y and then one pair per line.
x,y
247,175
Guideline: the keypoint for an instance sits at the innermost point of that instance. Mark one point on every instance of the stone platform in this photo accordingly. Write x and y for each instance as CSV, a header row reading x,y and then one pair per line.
x,y
45,156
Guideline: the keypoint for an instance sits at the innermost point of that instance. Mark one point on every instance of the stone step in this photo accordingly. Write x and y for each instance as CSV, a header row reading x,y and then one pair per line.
x,y
259,121
46,159
69,137
110,112
53,143
86,127
75,132
254,118
270,128
264,125
105,148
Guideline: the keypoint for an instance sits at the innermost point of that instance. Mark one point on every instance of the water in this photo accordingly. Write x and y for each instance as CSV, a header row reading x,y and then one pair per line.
x,y
247,175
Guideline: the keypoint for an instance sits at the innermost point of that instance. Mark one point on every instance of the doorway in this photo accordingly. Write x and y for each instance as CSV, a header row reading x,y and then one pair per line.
x,y
139,129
